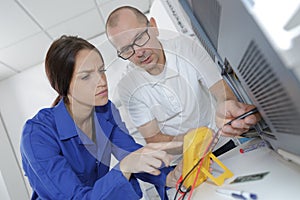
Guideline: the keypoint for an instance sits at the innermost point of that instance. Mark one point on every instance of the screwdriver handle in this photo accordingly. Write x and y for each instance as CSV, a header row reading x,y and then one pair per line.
x,y
243,116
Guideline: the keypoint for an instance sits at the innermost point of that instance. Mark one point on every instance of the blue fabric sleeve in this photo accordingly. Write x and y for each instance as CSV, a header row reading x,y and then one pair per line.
x,y
116,186
51,176
159,181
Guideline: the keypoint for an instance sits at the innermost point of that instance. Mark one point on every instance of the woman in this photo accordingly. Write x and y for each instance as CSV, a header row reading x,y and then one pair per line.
x,y
66,149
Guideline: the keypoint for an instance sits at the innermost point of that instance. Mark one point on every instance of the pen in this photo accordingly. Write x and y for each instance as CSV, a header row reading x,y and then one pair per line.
x,y
237,194
253,147
243,116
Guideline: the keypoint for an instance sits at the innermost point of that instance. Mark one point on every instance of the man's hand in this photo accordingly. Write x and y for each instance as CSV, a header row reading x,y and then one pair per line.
x,y
174,175
230,109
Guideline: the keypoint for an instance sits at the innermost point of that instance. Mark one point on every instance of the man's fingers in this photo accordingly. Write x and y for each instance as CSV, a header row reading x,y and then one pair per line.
x,y
239,124
229,131
251,120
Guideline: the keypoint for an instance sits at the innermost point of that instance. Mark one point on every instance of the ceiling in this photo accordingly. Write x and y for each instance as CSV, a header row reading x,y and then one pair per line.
x,y
28,27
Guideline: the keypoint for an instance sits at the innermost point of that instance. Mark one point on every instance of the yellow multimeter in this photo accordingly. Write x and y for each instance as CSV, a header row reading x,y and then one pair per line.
x,y
195,146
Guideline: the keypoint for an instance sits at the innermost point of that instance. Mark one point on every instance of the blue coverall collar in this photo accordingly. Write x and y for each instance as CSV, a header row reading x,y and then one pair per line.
x,y
64,122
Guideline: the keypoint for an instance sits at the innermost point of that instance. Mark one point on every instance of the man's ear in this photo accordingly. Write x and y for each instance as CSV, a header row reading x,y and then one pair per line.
x,y
154,26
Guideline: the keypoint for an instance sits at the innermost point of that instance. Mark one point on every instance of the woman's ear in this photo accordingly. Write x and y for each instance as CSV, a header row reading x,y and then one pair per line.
x,y
154,26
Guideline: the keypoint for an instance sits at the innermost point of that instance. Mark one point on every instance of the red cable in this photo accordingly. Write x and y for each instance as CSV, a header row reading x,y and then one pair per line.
x,y
199,169
177,185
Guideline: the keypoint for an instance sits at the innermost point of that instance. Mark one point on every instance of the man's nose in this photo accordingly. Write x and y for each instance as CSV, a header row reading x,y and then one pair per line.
x,y
139,51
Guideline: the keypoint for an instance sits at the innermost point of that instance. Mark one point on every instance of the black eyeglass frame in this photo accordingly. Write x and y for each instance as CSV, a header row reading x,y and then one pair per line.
x,y
131,46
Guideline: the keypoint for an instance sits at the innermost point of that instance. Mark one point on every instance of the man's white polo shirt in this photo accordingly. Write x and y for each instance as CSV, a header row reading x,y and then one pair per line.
x,y
177,98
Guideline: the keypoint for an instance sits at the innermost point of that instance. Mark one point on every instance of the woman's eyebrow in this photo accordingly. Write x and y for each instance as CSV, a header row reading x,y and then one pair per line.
x,y
85,71
91,70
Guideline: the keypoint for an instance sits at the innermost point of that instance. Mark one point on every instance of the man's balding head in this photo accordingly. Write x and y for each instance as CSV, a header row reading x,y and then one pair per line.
x,y
124,11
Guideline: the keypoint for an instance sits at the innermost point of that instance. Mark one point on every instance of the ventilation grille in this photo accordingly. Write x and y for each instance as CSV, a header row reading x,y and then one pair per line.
x,y
281,114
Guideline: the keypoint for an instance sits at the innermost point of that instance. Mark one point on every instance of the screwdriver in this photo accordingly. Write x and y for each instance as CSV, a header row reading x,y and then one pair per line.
x,y
216,137
243,116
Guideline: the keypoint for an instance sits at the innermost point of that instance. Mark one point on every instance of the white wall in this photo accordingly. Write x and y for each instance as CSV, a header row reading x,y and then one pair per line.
x,y
21,96
11,179
3,190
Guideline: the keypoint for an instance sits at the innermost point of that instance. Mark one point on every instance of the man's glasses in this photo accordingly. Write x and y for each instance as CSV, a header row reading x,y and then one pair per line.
x,y
128,51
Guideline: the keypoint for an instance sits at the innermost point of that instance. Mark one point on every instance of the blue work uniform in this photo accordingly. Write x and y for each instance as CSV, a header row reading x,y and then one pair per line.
x,y
61,163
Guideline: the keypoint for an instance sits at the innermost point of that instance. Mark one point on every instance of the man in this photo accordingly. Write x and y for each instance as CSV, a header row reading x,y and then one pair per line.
x,y
166,92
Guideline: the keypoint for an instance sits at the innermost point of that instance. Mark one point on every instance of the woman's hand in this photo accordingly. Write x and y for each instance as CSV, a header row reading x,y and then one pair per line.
x,y
148,159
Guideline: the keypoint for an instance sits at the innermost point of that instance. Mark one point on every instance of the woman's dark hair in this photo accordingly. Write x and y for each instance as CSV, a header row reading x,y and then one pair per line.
x,y
60,63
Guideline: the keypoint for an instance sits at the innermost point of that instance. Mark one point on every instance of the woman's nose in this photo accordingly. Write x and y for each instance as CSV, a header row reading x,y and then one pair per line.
x,y
101,79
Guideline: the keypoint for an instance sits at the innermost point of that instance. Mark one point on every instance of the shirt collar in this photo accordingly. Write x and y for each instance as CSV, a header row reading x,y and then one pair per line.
x,y
171,65
171,58
170,70
64,122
